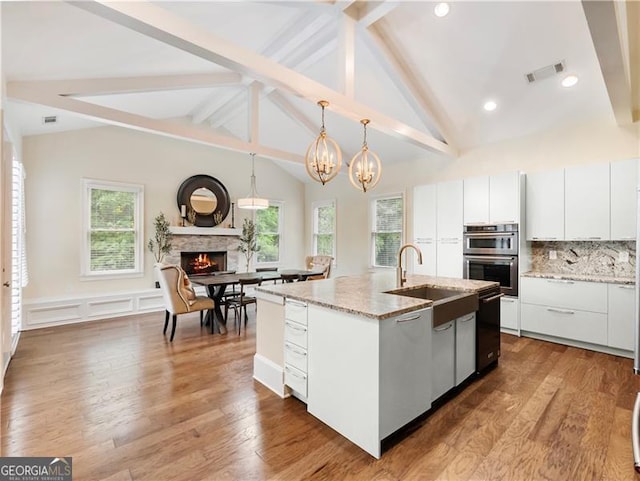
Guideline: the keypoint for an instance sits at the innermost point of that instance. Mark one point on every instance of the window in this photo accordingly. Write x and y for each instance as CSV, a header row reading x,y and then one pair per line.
x,y
113,235
386,232
19,273
324,228
268,229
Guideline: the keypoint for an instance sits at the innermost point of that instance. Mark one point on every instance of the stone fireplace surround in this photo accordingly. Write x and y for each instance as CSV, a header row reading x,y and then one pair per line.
x,y
191,243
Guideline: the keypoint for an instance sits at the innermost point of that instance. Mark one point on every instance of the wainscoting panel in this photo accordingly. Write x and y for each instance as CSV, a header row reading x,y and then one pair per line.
x,y
49,312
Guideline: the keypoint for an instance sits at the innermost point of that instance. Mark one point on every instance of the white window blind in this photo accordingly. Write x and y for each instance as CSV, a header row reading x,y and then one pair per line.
x,y
324,228
268,230
113,233
19,273
387,225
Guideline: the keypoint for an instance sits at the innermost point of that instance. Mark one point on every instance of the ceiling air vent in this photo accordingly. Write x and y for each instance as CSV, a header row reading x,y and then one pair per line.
x,y
545,72
49,119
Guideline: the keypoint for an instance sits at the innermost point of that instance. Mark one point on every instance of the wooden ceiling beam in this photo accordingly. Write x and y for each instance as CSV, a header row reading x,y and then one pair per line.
x,y
155,22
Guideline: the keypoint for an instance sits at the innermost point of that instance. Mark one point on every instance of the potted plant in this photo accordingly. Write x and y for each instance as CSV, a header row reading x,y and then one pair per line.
x,y
160,244
248,241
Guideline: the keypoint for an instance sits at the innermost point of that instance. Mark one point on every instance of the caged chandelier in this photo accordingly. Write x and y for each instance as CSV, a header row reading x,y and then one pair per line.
x,y
365,168
324,158
252,201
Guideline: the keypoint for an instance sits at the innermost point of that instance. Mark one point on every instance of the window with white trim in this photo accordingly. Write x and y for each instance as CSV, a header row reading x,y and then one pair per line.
x,y
387,221
269,233
324,228
113,231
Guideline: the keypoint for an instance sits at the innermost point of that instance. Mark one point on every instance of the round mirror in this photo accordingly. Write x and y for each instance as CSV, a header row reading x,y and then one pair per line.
x,y
203,201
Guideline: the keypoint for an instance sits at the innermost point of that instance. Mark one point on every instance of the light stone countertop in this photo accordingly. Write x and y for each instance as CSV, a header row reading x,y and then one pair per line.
x,y
581,277
366,295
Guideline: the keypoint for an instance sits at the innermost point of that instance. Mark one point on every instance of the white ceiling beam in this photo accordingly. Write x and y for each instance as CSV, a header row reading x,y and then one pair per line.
x,y
122,85
211,104
27,92
414,89
371,12
155,22
633,26
347,55
229,110
294,113
604,28
253,113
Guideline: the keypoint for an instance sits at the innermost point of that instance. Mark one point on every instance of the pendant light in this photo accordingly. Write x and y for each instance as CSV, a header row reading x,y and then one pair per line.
x,y
252,201
324,158
365,168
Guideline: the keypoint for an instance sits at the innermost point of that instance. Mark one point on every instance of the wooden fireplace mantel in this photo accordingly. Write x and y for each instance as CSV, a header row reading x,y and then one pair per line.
x,y
192,230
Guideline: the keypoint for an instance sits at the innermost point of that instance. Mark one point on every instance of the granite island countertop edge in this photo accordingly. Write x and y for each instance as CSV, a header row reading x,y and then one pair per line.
x,y
580,277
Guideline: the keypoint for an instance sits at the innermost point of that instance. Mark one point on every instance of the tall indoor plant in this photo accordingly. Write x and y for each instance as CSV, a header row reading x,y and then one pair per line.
x,y
248,240
160,243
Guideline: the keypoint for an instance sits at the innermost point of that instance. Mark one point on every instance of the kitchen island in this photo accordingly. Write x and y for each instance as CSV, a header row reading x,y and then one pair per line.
x,y
365,356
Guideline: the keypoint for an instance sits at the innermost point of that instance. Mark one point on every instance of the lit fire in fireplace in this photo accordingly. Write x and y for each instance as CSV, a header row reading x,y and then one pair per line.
x,y
202,263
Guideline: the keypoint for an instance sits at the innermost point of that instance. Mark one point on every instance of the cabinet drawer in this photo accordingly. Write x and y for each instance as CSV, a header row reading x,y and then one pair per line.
x,y
295,379
566,323
584,296
296,311
295,356
509,310
295,333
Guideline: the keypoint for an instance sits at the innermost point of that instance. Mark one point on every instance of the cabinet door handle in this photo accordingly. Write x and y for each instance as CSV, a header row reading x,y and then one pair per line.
x,y
627,287
296,328
510,301
410,318
587,238
560,311
289,347
470,318
295,374
440,329
296,303
544,238
560,281
627,238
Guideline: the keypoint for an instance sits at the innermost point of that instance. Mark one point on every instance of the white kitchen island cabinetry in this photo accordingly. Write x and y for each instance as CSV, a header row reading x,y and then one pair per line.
x,y
465,347
367,377
443,359
587,202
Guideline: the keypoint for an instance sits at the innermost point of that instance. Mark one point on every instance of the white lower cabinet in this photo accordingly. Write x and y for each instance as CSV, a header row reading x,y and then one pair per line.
x,y
295,348
443,359
621,316
465,347
510,313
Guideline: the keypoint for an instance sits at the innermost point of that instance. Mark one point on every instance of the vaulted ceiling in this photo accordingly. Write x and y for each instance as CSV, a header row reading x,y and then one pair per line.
x,y
247,75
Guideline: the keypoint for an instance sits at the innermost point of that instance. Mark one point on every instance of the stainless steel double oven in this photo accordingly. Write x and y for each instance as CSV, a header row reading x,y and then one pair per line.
x,y
491,254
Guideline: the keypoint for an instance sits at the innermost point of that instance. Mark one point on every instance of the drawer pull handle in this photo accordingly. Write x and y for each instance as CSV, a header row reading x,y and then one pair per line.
x,y
470,318
296,328
410,318
440,329
296,303
560,311
560,281
295,374
510,301
627,287
635,435
492,298
295,351
544,238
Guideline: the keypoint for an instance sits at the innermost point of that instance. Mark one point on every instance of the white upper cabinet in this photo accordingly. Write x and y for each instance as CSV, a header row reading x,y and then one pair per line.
x,y
545,205
624,204
492,199
449,210
587,202
476,200
424,228
504,198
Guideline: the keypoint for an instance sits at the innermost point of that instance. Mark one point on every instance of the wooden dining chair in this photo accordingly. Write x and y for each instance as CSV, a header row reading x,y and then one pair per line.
x,y
241,302
289,277
268,269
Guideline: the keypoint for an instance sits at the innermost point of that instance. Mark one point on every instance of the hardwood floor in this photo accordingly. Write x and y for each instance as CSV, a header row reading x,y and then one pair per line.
x,y
129,405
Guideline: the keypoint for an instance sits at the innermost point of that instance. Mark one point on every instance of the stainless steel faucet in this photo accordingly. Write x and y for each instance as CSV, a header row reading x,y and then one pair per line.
x,y
401,276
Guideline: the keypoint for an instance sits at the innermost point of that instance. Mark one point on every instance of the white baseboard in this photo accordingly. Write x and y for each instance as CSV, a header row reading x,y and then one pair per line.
x,y
583,345
269,374
39,313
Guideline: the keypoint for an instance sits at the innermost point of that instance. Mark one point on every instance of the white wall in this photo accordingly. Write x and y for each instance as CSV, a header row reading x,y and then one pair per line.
x,y
56,163
590,142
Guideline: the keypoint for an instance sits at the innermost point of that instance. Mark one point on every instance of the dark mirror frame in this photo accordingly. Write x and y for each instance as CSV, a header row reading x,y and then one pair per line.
x,y
214,185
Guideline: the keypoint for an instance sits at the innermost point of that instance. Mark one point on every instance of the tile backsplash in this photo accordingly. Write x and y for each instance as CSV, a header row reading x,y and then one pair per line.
x,y
606,258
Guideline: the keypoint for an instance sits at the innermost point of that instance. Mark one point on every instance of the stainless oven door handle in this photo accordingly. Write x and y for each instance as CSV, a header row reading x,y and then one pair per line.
x,y
490,234
492,298
490,258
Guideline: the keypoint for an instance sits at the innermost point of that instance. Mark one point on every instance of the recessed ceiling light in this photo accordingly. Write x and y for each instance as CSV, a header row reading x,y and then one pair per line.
x,y
569,81
490,105
441,9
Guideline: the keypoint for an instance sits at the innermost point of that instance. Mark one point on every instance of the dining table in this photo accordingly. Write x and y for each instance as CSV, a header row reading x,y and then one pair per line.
x,y
216,285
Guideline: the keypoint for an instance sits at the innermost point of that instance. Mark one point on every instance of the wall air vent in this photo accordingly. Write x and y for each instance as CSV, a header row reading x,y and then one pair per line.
x,y
545,72
49,119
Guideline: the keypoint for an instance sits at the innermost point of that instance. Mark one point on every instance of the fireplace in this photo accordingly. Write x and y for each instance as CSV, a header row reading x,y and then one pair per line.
x,y
203,262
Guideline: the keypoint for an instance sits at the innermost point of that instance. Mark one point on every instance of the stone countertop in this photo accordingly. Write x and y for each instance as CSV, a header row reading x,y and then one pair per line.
x,y
367,295
581,277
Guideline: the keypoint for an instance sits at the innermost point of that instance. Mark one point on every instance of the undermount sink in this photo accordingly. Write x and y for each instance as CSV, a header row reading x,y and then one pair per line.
x,y
448,304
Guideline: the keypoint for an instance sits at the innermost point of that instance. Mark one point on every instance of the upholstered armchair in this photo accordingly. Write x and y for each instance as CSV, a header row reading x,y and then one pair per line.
x,y
179,296
319,262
